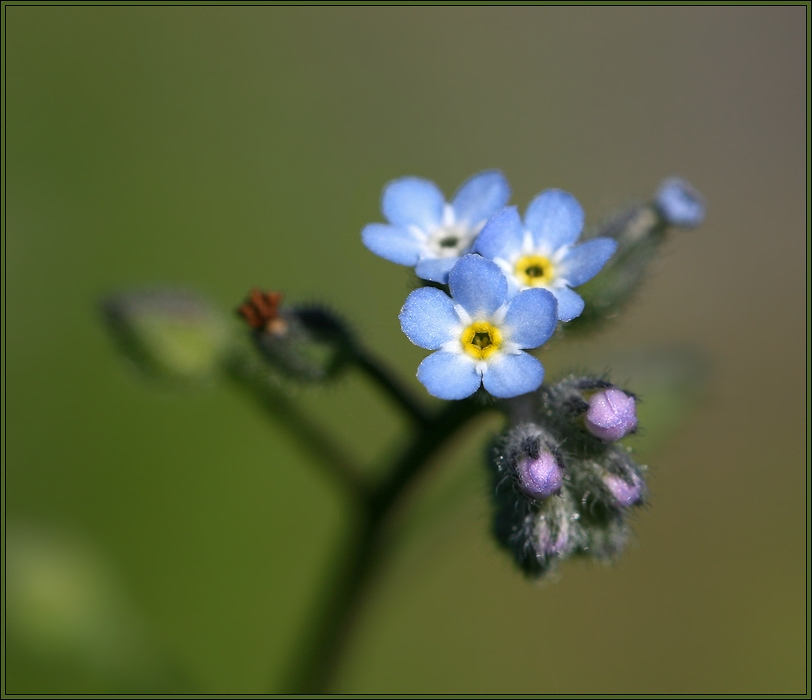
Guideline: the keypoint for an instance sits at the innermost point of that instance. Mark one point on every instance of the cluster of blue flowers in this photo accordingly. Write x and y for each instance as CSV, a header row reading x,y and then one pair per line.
x,y
497,285
509,281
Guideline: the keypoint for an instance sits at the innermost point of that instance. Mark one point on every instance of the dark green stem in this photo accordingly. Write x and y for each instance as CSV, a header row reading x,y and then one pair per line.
x,y
366,551
252,376
366,547
418,453
333,621
391,386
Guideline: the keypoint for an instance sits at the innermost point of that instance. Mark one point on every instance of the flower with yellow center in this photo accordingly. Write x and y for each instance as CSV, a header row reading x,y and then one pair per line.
x,y
481,340
541,252
479,333
534,271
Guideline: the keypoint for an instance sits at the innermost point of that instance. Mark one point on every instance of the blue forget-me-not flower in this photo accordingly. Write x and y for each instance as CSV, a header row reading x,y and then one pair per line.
x,y
428,233
479,332
541,253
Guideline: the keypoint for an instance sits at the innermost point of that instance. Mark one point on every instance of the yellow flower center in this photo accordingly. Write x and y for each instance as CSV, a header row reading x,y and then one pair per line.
x,y
535,270
481,339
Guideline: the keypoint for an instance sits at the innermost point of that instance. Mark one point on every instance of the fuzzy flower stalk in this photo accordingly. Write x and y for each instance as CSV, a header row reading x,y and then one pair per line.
x,y
563,487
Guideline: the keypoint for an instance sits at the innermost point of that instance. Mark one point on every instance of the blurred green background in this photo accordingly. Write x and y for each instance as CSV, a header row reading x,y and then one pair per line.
x,y
174,539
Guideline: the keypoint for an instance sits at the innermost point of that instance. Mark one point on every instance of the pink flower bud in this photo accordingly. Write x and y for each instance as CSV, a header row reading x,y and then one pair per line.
x,y
540,477
611,414
625,493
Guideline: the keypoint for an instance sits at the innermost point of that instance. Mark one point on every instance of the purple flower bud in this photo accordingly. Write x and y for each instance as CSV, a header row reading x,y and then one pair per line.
x,y
553,536
680,204
625,494
611,414
540,477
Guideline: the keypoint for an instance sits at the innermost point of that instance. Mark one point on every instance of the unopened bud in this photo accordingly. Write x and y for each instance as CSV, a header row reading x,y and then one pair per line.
x,y
173,335
626,492
539,477
304,343
639,231
680,204
552,536
528,457
559,531
611,415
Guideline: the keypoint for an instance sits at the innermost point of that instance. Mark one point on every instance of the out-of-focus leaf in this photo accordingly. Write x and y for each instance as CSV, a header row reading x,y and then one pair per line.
x,y
69,625
172,335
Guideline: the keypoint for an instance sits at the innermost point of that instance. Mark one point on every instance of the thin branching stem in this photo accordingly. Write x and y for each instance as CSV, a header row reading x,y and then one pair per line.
x,y
391,386
252,376
366,550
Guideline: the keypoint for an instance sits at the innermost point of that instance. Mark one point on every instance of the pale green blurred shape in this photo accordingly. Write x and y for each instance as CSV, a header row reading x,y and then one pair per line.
x,y
67,612
218,149
174,335
59,598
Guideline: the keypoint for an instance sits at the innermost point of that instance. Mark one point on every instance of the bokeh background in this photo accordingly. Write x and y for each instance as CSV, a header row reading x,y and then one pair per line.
x,y
174,539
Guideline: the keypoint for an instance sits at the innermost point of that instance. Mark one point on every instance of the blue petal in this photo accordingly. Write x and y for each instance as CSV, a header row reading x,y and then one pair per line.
x,y
502,236
583,262
554,218
449,375
392,243
428,318
481,196
435,269
412,200
512,375
477,285
570,304
680,204
531,318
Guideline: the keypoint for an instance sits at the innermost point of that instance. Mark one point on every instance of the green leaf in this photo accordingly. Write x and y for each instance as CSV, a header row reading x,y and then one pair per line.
x,y
171,335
